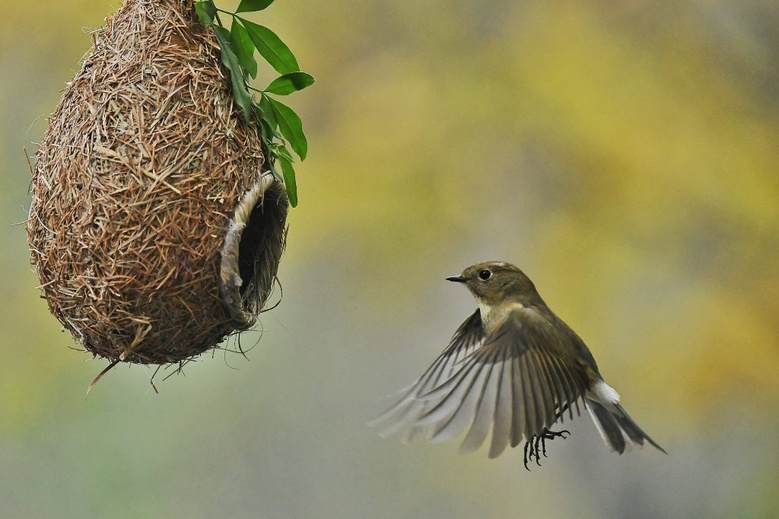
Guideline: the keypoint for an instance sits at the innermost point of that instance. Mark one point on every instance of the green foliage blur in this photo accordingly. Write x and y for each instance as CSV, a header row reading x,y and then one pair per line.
x,y
623,154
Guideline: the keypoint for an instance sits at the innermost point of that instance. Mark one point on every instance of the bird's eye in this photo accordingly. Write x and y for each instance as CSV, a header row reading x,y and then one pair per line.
x,y
485,275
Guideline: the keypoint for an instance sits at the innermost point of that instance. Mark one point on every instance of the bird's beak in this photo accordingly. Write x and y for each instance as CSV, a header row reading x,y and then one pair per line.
x,y
457,279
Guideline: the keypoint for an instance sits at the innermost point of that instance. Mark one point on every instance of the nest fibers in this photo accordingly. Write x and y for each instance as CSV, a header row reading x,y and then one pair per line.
x,y
152,228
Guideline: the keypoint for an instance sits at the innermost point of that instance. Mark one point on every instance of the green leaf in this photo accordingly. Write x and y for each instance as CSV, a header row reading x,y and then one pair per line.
x,y
279,125
289,83
252,5
266,131
291,127
280,150
270,47
206,11
289,180
244,48
276,175
269,114
230,61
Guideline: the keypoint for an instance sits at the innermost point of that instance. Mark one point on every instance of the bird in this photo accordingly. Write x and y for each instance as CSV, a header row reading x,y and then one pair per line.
x,y
513,367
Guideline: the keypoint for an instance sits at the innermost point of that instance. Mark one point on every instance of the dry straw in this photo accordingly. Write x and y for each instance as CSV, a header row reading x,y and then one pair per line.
x,y
152,229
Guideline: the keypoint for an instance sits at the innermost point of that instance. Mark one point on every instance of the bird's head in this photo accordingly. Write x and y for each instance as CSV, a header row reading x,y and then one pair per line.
x,y
494,283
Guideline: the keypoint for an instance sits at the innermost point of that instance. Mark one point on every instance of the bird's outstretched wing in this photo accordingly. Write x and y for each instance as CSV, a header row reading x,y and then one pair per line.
x,y
517,380
407,409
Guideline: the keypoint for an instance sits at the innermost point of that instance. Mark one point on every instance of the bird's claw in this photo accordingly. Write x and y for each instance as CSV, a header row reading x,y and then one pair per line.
x,y
536,446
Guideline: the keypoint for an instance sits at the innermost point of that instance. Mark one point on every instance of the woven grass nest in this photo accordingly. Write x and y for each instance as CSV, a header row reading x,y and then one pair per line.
x,y
152,228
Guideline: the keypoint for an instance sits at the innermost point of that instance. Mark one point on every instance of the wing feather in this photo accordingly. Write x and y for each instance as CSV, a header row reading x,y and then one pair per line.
x,y
409,406
531,415
485,406
464,406
555,390
519,419
514,382
501,433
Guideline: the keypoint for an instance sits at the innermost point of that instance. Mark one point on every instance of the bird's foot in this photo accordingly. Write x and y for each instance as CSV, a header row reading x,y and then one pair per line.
x,y
536,446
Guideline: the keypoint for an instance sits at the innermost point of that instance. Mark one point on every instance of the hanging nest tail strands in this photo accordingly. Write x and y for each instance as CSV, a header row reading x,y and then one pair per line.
x,y
153,229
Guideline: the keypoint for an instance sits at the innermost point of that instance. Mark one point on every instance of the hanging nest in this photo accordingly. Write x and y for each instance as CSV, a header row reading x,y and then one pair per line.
x,y
152,228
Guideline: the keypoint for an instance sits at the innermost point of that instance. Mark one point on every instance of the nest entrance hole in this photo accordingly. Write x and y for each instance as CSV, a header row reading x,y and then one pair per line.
x,y
253,238
252,250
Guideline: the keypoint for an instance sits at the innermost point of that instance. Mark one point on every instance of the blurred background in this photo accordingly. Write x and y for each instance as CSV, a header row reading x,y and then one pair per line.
x,y
625,156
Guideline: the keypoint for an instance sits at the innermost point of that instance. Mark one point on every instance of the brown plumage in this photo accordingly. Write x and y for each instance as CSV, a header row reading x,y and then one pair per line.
x,y
514,367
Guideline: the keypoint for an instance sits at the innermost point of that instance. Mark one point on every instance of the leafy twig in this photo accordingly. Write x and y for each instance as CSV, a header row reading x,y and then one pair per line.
x,y
280,126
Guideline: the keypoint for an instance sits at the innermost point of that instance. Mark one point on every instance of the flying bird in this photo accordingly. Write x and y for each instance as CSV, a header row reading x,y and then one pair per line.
x,y
513,367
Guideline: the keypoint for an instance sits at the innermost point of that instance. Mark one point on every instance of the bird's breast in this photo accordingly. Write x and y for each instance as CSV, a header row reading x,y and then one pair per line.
x,y
493,316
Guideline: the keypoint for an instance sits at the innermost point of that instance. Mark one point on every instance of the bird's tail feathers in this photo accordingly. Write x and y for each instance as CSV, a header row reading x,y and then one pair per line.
x,y
615,426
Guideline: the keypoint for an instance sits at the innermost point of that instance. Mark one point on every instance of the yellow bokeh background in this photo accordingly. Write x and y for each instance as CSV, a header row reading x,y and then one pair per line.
x,y
624,155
